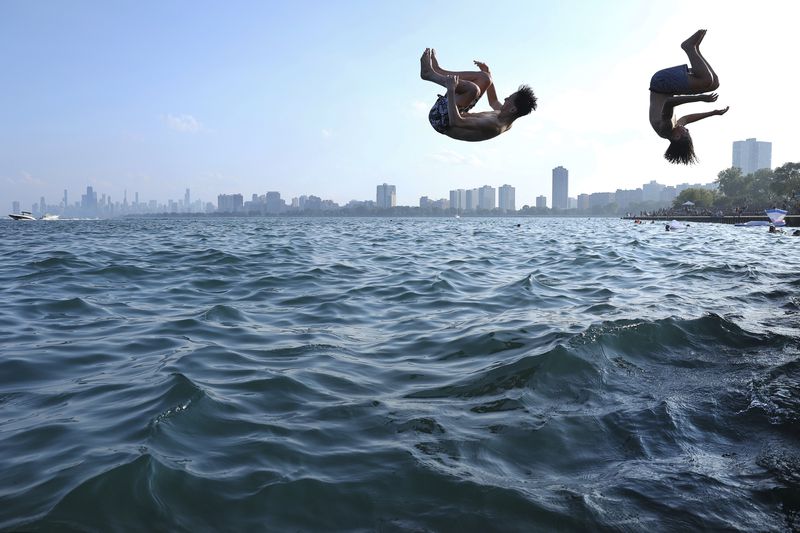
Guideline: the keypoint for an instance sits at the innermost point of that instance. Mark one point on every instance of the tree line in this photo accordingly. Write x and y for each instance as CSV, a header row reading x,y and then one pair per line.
x,y
763,189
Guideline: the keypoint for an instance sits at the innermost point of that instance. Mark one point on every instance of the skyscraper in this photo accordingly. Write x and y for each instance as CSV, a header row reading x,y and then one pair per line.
x,y
458,199
505,197
486,198
386,196
472,199
541,202
751,155
560,188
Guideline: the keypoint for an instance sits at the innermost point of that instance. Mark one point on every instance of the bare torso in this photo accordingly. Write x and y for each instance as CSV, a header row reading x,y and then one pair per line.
x,y
478,126
662,123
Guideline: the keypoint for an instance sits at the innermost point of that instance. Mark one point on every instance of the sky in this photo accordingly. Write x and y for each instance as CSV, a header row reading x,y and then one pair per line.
x,y
325,98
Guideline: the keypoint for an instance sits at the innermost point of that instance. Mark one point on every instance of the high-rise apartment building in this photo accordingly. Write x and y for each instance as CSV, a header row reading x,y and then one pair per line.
x,y
651,192
487,199
505,198
751,155
386,196
541,202
458,199
560,188
229,203
472,199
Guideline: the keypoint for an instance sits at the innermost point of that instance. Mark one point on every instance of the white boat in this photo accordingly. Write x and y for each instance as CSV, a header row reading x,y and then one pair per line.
x,y
22,215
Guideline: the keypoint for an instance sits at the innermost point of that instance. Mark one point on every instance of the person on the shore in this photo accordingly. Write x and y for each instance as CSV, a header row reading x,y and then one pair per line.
x,y
450,114
679,85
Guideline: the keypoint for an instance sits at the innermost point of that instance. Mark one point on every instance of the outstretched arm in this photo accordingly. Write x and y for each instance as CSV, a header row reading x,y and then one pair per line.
x,y
673,101
694,117
491,94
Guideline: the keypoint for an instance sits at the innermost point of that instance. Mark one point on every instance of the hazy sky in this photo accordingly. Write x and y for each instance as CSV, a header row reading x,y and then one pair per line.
x,y
325,97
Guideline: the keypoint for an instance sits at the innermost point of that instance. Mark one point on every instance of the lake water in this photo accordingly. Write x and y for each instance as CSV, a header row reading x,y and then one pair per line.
x,y
384,374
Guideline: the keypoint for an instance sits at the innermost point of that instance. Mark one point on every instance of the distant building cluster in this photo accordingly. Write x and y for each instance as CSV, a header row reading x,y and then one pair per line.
x,y
92,206
749,155
271,203
485,198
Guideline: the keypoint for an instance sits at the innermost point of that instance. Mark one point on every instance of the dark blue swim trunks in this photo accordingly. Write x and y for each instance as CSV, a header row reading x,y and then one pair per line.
x,y
673,80
439,116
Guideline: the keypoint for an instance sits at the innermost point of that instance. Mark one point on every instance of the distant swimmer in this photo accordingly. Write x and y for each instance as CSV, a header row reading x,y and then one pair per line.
x,y
667,84
450,114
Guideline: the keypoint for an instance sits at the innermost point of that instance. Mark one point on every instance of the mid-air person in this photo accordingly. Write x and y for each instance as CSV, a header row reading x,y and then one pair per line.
x,y
681,85
451,114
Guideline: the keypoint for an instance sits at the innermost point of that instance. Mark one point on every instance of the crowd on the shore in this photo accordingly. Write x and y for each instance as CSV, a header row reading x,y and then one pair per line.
x,y
693,211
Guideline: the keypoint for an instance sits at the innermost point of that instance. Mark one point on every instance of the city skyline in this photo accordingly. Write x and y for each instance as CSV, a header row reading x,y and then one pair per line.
x,y
484,198
227,98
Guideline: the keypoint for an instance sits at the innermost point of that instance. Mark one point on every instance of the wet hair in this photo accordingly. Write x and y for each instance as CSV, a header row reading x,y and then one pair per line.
x,y
524,100
681,151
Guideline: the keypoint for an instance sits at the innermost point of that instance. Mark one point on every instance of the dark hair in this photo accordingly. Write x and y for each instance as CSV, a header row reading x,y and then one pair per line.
x,y
524,100
681,151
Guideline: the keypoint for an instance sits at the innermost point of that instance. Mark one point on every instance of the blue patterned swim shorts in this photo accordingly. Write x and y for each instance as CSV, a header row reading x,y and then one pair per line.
x,y
673,80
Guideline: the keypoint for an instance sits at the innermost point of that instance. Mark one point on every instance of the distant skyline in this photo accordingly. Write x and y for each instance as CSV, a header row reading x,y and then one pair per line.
x,y
326,99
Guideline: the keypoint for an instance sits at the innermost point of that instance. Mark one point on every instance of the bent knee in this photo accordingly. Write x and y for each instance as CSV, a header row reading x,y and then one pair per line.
x,y
483,81
467,92
714,84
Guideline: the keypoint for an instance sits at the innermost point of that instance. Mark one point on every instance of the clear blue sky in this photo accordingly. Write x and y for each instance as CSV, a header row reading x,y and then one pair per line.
x,y
325,97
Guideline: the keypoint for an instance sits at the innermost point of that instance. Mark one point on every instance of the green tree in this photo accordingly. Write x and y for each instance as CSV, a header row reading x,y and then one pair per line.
x,y
759,187
699,197
732,183
786,181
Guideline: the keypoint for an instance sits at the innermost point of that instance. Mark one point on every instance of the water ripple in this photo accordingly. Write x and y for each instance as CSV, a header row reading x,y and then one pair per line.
x,y
395,375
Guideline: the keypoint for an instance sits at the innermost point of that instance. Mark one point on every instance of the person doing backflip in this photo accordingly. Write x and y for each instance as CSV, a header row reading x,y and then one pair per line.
x,y
450,114
681,85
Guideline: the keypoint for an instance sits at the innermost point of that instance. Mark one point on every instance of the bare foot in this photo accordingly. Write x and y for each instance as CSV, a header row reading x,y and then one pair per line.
x,y
694,40
434,61
425,69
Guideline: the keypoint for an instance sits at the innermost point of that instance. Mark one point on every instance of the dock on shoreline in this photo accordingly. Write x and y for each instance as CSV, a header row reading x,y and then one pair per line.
x,y
792,221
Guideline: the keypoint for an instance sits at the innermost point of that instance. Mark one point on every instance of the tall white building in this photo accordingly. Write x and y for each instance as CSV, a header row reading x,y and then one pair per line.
x,y
560,188
472,199
751,155
505,197
386,196
458,199
487,198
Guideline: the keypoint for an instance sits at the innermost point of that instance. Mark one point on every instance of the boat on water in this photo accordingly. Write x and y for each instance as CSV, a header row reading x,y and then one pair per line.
x,y
22,215
27,215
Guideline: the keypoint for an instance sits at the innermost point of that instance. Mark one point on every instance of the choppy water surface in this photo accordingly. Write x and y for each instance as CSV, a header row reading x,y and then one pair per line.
x,y
397,375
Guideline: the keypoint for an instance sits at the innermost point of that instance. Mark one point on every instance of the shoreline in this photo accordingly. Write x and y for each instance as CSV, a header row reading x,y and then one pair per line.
x,y
792,221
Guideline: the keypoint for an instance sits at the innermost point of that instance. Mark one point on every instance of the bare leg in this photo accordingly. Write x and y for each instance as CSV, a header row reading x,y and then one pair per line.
x,y
702,77
471,85
481,79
